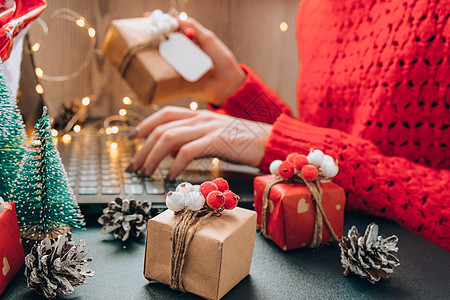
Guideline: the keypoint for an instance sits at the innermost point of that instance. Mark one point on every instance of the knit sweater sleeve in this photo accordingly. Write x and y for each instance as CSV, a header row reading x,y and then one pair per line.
x,y
254,101
415,196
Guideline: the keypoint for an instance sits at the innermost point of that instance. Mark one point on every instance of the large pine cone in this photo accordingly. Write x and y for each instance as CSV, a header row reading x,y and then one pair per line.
x,y
54,267
125,218
370,256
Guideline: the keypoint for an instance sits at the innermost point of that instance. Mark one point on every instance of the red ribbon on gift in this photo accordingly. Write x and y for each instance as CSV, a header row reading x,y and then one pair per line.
x,y
15,15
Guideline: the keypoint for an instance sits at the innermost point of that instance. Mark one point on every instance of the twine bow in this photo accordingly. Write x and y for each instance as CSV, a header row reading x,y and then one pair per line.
x,y
2,204
316,195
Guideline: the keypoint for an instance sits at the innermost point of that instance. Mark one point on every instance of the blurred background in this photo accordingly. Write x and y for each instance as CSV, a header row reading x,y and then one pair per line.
x,y
64,67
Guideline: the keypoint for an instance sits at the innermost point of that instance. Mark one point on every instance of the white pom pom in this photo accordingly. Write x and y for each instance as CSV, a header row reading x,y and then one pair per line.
x,y
157,13
174,23
274,167
175,201
153,30
184,188
194,200
196,187
329,168
315,157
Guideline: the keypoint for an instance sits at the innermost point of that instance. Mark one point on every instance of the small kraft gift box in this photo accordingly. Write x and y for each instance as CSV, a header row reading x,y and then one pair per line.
x,y
11,252
203,251
132,46
298,205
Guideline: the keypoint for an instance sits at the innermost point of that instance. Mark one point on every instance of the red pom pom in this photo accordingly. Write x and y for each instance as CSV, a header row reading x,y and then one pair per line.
x,y
286,169
231,200
290,158
189,32
207,187
215,200
309,172
222,184
299,161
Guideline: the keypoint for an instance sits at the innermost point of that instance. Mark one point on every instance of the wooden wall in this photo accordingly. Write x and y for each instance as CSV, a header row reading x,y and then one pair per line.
x,y
251,28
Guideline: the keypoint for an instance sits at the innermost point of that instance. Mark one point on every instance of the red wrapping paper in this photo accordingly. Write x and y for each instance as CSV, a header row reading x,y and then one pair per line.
x,y
291,212
11,251
15,16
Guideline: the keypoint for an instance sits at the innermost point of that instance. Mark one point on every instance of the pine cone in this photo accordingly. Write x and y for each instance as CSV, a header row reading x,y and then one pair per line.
x,y
370,256
54,267
125,217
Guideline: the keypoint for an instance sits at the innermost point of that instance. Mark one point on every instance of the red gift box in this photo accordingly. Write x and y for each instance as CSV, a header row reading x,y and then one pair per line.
x,y
291,212
11,252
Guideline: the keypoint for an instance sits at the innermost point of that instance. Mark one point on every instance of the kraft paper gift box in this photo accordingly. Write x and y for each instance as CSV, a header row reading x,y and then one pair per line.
x,y
11,252
217,258
151,78
291,212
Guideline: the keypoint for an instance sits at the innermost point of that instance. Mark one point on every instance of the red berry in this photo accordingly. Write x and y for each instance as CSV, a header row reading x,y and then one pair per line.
x,y
286,169
309,172
207,187
300,161
231,200
221,183
290,158
189,32
215,200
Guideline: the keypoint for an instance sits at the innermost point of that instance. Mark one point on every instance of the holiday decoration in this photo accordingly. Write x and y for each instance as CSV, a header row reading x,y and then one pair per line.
x,y
11,250
205,251
55,267
132,47
369,256
46,205
125,218
295,209
12,137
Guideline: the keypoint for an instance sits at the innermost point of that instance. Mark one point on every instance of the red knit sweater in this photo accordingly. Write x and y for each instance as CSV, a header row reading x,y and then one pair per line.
x,y
373,91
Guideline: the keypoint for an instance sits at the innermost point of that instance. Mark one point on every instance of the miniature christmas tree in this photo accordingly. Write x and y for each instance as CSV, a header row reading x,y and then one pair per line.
x,y
12,137
46,205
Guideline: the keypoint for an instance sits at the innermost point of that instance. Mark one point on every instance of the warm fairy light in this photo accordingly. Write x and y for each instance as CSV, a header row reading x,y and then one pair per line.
x,y
36,47
193,106
85,101
67,138
80,22
123,112
39,72
215,161
91,32
54,132
39,89
114,146
183,16
114,129
108,130
77,128
283,26
127,101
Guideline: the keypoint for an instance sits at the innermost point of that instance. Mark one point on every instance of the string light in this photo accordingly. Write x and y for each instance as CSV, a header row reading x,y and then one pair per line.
x,y
193,106
39,89
91,32
123,112
108,130
80,22
54,132
215,161
36,47
183,16
114,129
283,26
77,128
85,101
127,101
67,138
114,146
39,72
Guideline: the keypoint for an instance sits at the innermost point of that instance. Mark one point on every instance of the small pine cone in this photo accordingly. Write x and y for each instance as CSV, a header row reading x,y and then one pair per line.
x,y
54,267
125,218
369,256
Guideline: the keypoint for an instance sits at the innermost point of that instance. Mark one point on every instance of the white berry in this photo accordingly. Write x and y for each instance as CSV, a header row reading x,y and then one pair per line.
x,y
194,200
175,201
184,188
315,157
274,167
196,187
327,157
329,168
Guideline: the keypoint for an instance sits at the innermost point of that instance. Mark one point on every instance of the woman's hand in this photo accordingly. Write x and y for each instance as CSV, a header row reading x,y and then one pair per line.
x,y
226,76
196,134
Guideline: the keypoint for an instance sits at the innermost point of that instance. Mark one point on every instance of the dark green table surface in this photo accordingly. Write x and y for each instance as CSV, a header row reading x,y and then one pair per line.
x,y
274,274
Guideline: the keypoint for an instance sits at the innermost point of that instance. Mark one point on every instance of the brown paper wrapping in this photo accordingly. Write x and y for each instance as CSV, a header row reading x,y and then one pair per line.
x,y
148,74
218,256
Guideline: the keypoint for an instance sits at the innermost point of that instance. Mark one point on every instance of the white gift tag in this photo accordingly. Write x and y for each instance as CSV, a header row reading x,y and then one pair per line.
x,y
185,56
